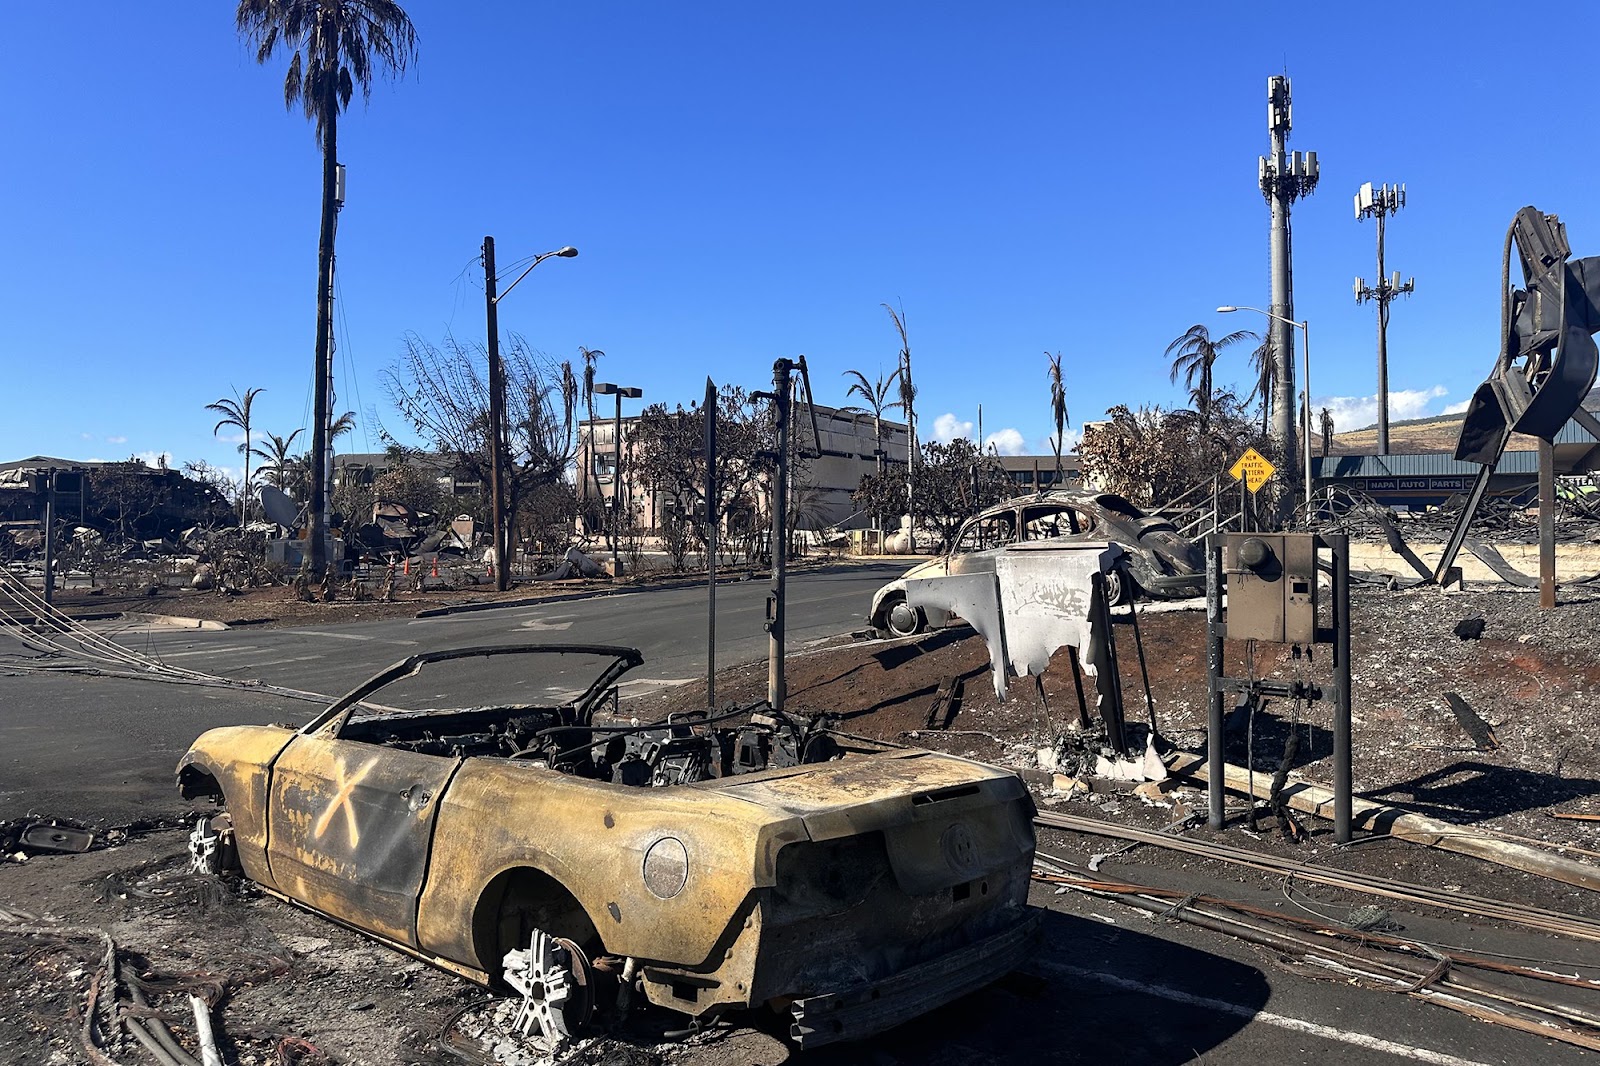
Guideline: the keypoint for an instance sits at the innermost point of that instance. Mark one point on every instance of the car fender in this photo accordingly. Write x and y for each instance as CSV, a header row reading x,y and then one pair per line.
x,y
239,759
934,616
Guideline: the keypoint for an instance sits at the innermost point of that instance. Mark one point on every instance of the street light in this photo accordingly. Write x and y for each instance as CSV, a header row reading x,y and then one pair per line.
x,y
606,388
1305,428
497,408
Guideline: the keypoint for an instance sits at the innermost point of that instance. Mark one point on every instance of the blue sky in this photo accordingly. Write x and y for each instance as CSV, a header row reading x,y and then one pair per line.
x,y
748,181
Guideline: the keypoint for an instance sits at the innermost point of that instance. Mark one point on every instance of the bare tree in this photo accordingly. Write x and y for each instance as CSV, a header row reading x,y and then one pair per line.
x,y
439,392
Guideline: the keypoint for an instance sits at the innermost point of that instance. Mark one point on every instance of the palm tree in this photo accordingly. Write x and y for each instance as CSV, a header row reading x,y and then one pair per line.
x,y
345,423
337,45
276,455
1058,408
1266,378
876,395
236,412
908,400
1192,355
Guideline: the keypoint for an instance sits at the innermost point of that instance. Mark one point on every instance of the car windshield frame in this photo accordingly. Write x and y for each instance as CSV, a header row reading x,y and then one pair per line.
x,y
337,716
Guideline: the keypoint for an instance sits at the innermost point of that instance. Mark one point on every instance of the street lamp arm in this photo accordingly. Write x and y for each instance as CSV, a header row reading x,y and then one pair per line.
x,y
566,253
1241,307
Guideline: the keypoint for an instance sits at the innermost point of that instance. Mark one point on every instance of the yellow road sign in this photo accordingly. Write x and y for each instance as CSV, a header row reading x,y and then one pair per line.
x,y
1253,469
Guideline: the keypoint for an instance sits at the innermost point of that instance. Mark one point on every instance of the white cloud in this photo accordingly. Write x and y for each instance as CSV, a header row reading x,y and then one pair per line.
x,y
86,436
1005,441
1048,445
116,440
155,458
947,427
1360,412
1456,408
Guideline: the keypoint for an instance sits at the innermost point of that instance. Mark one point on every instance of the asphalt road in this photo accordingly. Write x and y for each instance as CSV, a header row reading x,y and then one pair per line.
x,y
102,749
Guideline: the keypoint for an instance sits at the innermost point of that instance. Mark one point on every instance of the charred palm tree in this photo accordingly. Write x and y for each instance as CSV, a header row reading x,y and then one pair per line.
x,y
908,405
1266,377
1192,356
337,46
236,412
591,356
1058,409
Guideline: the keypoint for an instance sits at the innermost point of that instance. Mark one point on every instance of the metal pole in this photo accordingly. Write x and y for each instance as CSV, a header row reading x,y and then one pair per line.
x,y
1282,307
1343,782
1305,438
1215,763
616,486
776,688
711,543
1547,524
1383,341
497,422
49,536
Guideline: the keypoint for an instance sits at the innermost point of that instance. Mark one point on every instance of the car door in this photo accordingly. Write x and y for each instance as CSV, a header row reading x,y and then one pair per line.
x,y
350,825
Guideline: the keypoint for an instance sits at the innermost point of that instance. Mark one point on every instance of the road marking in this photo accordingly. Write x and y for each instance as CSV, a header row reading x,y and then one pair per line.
x,y
1343,1036
280,662
353,636
347,785
217,651
539,625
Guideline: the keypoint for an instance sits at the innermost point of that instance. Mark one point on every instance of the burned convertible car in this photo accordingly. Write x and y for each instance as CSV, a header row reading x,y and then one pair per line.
x,y
711,862
1161,563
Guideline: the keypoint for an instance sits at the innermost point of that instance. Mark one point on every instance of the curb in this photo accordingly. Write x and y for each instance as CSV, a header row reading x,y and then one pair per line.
x,y
177,620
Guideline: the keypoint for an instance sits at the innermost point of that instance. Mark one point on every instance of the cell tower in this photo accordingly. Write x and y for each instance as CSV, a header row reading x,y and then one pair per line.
x,y
1380,203
1285,177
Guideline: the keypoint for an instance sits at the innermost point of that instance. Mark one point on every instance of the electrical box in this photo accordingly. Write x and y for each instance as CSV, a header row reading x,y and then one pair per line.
x,y
1272,586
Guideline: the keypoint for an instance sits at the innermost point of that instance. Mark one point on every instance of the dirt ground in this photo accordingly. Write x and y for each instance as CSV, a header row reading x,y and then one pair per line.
x,y
293,988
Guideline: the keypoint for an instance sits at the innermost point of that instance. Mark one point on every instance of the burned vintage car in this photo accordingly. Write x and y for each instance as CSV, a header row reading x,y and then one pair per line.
x,y
710,861
1160,562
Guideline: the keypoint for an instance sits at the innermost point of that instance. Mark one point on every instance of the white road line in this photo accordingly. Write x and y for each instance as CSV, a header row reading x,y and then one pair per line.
x,y
280,662
1343,1036
354,636
218,652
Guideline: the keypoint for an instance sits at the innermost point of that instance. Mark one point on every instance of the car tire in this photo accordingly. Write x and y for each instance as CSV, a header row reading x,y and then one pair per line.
x,y
1120,587
900,619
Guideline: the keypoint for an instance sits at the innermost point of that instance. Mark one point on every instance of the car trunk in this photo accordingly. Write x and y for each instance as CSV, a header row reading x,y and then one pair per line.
x,y
910,855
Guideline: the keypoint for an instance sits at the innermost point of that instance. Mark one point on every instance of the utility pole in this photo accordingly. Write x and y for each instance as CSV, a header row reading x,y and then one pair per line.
x,y
1379,203
618,497
710,409
1284,177
50,536
782,392
497,424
